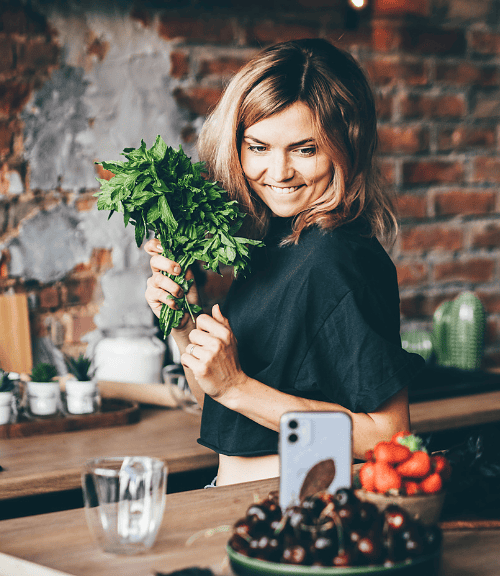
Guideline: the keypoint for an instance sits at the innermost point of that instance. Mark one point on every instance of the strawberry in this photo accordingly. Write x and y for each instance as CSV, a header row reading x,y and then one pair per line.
x,y
367,476
369,455
431,484
410,487
441,465
391,453
417,466
386,478
395,438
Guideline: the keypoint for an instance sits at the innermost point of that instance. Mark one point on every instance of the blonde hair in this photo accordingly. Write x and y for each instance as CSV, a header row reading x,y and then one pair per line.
x,y
333,86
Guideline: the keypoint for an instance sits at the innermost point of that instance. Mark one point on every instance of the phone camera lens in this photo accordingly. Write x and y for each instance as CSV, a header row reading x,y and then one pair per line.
x,y
293,438
293,424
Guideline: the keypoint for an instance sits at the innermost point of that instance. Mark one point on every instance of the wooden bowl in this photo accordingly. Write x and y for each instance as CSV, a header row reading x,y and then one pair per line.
x,y
426,508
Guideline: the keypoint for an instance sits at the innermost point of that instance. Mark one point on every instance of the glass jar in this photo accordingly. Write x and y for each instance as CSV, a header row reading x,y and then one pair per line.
x,y
132,355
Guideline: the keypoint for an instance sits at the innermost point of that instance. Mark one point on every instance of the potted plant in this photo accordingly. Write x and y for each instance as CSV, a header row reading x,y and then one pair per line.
x,y
81,391
42,391
6,397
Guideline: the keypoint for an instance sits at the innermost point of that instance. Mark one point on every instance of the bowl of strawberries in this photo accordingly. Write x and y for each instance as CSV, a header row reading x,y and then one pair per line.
x,y
402,472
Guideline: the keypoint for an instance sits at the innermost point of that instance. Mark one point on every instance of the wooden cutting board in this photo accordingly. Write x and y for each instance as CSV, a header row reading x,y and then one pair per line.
x,y
15,335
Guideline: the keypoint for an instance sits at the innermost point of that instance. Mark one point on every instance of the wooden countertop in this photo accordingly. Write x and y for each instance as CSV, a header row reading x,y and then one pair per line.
x,y
187,537
53,462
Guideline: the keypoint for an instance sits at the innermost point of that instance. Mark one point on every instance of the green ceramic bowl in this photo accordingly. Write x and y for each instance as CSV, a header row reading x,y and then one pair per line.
x,y
245,566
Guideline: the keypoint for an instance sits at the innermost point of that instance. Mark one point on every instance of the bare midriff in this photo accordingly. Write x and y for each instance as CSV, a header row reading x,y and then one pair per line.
x,y
238,469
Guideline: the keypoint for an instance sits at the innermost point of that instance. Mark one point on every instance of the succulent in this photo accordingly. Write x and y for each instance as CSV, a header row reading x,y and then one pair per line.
x,y
6,384
441,333
43,372
80,367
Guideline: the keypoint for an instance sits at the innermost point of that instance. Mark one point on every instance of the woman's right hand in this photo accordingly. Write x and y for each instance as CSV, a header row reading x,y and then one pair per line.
x,y
161,287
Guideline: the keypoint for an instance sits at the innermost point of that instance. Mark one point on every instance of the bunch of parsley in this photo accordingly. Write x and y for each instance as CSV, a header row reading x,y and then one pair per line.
x,y
159,189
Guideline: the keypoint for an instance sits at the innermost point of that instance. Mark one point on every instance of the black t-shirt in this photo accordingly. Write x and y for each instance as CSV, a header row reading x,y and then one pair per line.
x,y
318,320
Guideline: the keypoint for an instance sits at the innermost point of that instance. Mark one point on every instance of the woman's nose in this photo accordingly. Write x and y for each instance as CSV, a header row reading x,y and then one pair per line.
x,y
280,168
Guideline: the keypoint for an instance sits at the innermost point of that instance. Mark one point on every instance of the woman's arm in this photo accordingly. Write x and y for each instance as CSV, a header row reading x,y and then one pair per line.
x,y
214,364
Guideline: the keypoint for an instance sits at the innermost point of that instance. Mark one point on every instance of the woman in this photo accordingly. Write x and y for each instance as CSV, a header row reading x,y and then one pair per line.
x,y
315,326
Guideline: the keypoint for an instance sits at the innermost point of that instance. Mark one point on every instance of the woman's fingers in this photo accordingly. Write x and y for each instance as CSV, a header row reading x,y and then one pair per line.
x,y
153,247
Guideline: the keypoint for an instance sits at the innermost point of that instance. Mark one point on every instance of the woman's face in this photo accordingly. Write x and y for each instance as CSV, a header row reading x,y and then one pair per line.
x,y
283,161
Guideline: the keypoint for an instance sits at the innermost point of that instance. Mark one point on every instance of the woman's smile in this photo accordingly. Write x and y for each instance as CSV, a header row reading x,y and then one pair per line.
x,y
283,162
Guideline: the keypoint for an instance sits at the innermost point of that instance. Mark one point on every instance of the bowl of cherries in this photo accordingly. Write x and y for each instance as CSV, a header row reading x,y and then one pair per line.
x,y
332,534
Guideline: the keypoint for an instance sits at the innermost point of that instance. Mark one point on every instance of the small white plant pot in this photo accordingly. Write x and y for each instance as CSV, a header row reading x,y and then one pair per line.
x,y
6,399
82,397
43,398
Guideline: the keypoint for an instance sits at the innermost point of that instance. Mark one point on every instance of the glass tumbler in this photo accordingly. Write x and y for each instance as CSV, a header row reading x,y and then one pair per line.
x,y
124,501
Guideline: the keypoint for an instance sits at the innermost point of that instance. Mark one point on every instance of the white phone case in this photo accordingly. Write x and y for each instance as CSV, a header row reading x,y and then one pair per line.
x,y
307,438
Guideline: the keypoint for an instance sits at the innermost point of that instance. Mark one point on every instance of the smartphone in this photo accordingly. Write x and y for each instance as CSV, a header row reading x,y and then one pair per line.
x,y
322,440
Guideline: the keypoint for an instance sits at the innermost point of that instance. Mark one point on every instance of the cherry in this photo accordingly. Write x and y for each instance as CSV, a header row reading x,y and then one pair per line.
x,y
345,496
367,514
370,549
343,558
295,554
396,518
346,513
239,544
243,529
323,550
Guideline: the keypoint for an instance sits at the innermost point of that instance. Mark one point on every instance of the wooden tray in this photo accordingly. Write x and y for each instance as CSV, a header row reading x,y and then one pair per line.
x,y
113,412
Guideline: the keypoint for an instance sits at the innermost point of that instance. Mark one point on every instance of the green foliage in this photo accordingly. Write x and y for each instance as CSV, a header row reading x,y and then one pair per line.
x,y
6,384
160,190
43,372
79,367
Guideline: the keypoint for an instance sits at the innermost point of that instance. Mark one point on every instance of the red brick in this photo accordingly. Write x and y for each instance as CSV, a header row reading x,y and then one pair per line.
x,y
13,97
421,305
98,48
21,20
81,326
7,48
201,27
85,202
490,300
383,72
385,37
491,359
486,169
6,138
407,139
179,64
432,172
102,259
37,55
411,206
199,100
471,270
49,297
387,171
225,66
269,32
487,43
189,134
491,332
426,238
401,7
464,202
466,73
466,138
446,106
438,41
349,39
79,291
412,274
384,105
102,173
489,237
486,106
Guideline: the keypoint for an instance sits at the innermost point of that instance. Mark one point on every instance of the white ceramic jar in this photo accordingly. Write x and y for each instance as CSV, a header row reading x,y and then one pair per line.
x,y
81,397
43,398
133,355
6,399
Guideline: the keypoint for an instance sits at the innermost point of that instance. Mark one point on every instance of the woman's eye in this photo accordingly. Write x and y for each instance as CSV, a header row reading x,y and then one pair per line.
x,y
309,151
257,148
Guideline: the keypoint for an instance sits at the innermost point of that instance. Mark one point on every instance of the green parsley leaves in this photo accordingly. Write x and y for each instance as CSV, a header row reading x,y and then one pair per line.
x,y
159,189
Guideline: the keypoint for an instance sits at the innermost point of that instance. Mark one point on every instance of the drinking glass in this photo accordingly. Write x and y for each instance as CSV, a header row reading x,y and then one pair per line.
x,y
124,501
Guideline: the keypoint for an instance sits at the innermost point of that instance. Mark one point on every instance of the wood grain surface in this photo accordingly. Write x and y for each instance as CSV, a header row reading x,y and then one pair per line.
x,y
194,532
51,463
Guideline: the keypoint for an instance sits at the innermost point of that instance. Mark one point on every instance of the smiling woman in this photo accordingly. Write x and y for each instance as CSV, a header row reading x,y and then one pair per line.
x,y
284,164
315,325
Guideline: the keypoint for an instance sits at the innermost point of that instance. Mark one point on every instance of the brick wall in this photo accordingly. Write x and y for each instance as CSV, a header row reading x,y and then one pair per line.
x,y
434,65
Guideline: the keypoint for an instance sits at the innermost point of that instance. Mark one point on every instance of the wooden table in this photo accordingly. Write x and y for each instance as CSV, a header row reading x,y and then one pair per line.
x,y
187,537
53,462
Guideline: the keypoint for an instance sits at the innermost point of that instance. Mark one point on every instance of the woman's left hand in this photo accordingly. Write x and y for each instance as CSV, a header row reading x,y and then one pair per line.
x,y
212,355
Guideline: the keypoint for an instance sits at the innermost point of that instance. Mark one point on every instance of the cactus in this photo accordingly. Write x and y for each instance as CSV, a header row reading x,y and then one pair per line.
x,y
418,341
441,333
466,331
